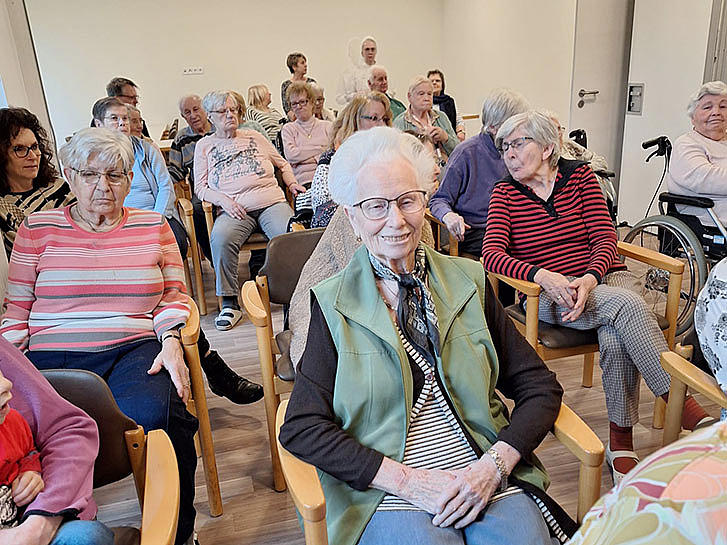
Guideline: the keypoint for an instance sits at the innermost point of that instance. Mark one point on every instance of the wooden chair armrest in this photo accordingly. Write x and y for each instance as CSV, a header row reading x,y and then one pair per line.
x,y
295,226
186,206
431,218
302,478
650,257
523,286
190,331
693,377
253,304
577,437
161,491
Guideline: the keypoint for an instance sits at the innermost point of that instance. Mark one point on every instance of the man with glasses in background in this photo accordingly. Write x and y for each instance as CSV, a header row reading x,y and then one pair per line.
x,y
127,92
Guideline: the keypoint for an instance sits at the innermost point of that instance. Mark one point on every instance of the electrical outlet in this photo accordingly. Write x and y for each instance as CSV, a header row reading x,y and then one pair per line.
x,y
192,71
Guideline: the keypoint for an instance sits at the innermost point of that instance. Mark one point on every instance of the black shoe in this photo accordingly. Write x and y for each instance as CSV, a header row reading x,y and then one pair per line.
x,y
224,382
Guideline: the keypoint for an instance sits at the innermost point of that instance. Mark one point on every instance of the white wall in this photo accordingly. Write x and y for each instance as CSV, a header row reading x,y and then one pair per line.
x,y
668,50
12,76
82,44
523,44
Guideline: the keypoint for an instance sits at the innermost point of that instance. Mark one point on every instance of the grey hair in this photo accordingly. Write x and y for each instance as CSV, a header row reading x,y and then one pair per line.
x,y
316,88
214,100
537,126
710,88
501,104
132,108
107,145
376,67
375,146
416,82
184,98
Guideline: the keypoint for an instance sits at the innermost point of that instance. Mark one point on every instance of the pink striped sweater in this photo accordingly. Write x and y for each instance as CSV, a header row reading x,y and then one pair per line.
x,y
69,289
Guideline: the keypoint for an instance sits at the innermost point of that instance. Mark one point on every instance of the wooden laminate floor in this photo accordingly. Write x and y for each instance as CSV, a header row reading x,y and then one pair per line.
x,y
255,514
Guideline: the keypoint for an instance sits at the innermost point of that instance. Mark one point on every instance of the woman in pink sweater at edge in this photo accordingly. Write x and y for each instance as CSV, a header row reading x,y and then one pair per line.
x,y
67,443
234,170
307,137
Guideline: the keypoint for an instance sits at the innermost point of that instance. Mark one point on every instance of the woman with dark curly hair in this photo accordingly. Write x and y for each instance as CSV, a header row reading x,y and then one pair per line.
x,y
29,181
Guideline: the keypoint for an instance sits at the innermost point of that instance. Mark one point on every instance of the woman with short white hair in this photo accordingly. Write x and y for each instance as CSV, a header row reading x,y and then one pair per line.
x,y
699,161
394,398
421,118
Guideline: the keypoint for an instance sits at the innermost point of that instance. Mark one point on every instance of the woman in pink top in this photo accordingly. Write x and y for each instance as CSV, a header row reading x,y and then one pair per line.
x,y
234,170
307,137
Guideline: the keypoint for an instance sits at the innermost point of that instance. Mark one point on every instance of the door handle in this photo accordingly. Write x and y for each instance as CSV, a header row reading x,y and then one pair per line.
x,y
583,93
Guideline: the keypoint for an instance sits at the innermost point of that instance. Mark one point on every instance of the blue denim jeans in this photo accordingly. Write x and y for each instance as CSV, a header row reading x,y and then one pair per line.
x,y
513,520
83,532
151,400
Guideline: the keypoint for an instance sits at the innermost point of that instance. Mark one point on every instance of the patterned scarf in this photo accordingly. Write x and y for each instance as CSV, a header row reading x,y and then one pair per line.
x,y
415,312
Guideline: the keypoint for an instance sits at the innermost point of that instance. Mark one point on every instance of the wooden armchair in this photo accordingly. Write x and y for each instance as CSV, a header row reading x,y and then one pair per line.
x,y
685,375
552,342
307,493
125,449
186,212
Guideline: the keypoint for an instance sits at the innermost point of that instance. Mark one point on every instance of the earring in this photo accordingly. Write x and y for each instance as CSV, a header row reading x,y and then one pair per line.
x,y
358,239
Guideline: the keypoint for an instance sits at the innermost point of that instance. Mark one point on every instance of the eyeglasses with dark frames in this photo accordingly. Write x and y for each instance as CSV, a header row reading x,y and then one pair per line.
x,y
377,208
21,152
516,144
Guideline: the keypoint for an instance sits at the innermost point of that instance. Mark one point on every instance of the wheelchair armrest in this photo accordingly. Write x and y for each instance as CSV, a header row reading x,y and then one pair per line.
x,y
605,173
673,198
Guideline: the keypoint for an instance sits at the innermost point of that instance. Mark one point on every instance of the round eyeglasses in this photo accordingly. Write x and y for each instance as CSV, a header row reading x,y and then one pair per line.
x,y
377,208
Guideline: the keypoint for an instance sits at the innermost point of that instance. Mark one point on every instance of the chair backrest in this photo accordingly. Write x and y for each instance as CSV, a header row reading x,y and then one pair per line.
x,y
286,255
89,392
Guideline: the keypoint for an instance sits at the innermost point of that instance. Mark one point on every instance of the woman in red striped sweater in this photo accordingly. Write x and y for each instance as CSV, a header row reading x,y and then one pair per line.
x,y
548,223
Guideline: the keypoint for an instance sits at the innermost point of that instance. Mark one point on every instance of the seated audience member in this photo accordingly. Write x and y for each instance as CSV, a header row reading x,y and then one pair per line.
x,y
127,92
379,81
319,108
136,122
699,161
233,169
49,448
710,321
352,419
362,113
354,80
298,66
305,139
259,110
29,181
181,159
421,118
99,286
472,170
247,125
548,223
445,103
151,185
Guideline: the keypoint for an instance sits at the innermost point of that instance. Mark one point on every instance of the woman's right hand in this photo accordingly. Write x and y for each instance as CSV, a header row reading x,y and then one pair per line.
x,y
233,208
557,286
424,488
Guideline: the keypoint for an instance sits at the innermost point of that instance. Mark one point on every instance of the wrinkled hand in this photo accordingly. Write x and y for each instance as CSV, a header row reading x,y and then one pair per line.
x,y
438,134
171,358
233,208
557,286
424,486
26,487
455,225
468,494
582,287
296,188
34,530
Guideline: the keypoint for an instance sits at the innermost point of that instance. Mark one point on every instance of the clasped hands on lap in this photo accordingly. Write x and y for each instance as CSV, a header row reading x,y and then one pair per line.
x,y
571,294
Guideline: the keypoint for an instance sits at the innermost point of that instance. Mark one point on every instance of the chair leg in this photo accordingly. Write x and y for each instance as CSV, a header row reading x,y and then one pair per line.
x,y
587,379
674,410
316,532
188,278
659,412
589,488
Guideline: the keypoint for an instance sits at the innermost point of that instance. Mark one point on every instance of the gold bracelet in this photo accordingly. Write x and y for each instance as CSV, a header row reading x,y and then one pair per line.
x,y
501,467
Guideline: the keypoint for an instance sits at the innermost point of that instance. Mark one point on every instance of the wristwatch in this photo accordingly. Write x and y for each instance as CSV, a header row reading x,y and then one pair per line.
x,y
501,467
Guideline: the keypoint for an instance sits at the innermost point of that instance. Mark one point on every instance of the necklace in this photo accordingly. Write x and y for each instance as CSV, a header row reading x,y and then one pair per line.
x,y
76,215
394,294
312,127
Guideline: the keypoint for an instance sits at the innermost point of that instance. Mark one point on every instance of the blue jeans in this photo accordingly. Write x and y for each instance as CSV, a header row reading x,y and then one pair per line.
x,y
83,532
151,400
513,520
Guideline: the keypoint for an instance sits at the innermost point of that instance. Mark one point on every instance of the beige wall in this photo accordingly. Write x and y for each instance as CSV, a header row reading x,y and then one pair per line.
x,y
82,44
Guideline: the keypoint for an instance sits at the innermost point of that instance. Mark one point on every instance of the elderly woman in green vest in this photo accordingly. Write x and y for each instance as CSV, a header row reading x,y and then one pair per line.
x,y
394,398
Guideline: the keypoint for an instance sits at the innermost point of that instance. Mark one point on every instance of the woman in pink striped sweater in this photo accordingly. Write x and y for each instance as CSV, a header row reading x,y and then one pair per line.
x,y
100,287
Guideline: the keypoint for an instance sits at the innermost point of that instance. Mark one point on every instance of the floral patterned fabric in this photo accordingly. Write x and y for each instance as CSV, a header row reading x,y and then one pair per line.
x,y
710,321
676,496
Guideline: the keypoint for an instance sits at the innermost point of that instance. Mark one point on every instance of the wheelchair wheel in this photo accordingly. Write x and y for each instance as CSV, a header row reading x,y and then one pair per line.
x,y
671,237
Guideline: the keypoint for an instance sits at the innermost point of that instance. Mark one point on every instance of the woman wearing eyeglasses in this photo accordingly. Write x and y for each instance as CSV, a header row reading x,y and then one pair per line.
x,y
363,112
306,138
29,181
548,223
394,398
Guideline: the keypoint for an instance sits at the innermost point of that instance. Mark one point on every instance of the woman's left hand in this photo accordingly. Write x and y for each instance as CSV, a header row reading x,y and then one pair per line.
x,y
582,287
172,359
26,487
296,188
438,134
468,494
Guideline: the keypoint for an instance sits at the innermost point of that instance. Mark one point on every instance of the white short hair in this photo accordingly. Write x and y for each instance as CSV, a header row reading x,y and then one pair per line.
x,y
538,126
375,67
184,98
416,82
107,145
501,104
375,146
214,100
718,88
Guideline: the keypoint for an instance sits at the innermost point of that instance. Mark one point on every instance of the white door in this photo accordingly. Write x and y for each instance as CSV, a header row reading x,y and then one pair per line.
x,y
601,56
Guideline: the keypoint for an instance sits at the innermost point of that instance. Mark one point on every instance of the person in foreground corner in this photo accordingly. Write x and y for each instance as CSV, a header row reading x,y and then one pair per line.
x,y
548,223
394,399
